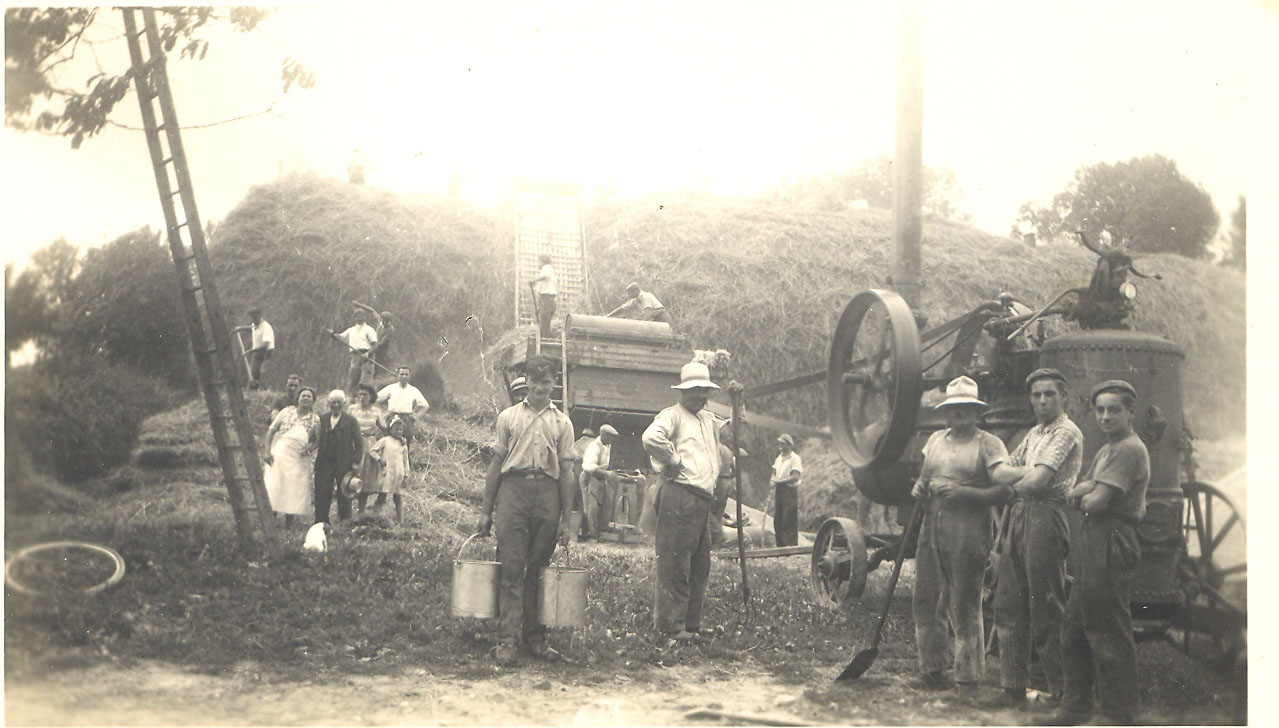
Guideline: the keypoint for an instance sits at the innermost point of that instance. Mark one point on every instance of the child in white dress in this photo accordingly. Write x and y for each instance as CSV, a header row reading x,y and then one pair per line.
x,y
392,452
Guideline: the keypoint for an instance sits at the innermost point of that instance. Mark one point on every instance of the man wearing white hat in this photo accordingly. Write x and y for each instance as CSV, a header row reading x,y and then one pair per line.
x,y
963,475
597,497
683,446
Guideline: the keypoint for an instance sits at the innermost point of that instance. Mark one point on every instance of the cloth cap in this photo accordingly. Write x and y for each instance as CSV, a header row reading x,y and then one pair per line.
x,y
608,430
1044,373
1112,385
338,395
519,383
386,315
632,286
786,438
255,312
694,374
351,485
961,390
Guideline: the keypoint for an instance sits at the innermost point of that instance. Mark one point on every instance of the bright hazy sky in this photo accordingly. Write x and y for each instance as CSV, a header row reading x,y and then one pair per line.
x,y
660,95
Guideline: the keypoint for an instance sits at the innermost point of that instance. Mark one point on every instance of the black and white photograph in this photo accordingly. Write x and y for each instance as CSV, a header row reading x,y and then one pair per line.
x,y
634,364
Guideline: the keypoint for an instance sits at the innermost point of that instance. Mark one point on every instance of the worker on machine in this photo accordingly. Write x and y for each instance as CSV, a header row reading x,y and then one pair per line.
x,y
641,305
788,468
546,290
597,495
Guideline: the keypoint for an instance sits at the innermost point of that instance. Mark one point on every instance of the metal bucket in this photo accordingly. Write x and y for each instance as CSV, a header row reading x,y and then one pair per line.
x,y
562,598
474,586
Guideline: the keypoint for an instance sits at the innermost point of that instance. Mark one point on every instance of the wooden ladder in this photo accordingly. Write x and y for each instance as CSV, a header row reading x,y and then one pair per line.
x,y
219,371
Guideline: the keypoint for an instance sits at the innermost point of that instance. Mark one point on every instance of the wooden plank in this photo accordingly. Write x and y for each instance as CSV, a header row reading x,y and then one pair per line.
x,y
627,356
731,554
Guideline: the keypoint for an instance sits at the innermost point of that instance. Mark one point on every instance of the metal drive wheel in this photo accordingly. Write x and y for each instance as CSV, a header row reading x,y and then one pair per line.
x,y
1214,618
838,565
873,381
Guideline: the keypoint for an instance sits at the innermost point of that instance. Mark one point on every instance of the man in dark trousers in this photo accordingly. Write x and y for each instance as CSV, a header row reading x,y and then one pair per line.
x,y
1030,588
683,446
788,468
340,451
1097,646
530,482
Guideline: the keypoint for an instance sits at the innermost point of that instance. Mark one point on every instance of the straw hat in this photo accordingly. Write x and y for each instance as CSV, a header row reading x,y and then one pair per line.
x,y
694,374
961,390
786,438
350,485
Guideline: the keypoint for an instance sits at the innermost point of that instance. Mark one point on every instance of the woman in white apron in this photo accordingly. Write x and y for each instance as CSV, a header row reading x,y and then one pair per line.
x,y
290,467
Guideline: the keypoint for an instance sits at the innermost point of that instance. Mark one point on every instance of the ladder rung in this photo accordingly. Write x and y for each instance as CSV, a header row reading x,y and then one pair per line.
x,y
176,192
184,258
193,289
166,160
160,128
214,350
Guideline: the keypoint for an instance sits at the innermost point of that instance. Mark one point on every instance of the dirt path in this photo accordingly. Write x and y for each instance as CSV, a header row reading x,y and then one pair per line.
x,y
154,693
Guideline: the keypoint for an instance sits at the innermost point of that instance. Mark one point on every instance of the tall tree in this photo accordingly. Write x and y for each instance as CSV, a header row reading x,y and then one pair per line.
x,y
1145,204
1237,253
38,41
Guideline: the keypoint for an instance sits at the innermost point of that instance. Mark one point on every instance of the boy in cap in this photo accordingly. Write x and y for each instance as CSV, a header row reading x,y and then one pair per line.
x,y
787,469
1030,587
359,338
1097,645
963,475
683,446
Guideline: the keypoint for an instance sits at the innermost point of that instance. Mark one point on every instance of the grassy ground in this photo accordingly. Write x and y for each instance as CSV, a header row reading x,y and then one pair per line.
x,y
376,606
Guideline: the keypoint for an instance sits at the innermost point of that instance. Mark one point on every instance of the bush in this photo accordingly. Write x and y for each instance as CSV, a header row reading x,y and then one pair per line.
x,y
77,426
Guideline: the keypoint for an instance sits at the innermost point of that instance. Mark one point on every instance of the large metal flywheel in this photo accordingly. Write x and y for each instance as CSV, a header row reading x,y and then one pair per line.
x,y
873,381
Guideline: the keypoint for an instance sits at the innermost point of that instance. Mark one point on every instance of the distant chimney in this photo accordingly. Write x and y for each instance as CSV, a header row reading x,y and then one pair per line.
x,y
1029,239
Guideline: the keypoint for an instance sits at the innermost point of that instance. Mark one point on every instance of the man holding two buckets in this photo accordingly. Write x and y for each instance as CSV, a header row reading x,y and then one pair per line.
x,y
530,481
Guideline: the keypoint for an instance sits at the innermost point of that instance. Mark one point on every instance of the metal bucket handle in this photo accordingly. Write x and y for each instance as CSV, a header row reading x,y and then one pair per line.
x,y
467,541
566,563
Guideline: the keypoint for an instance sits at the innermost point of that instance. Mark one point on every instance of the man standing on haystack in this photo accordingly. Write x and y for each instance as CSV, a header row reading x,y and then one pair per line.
x,y
360,338
530,482
683,446
1030,586
381,352
262,347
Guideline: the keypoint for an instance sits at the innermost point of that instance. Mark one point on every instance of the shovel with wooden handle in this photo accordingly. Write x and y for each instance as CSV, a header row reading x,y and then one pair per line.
x,y
863,660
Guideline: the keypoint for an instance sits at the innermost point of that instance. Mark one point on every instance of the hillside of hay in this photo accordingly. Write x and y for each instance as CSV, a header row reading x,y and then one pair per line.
x,y
303,247
762,278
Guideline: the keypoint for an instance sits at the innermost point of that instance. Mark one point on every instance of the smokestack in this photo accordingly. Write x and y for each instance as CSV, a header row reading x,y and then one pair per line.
x,y
908,159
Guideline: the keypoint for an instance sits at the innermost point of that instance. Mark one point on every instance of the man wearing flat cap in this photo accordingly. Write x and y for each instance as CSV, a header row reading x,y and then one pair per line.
x,y
597,496
642,305
787,469
1030,589
1097,646
683,446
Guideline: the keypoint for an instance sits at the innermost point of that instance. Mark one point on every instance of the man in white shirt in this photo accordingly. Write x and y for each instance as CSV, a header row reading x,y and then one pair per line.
x,y
683,446
597,497
787,469
641,305
404,401
261,349
360,338
546,288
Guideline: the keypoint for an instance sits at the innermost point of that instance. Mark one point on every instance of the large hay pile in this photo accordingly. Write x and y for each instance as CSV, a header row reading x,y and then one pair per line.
x,y
303,247
767,281
763,279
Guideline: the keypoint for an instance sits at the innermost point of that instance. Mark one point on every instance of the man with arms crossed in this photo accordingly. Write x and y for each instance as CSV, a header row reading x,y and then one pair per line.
x,y
1030,588
1097,645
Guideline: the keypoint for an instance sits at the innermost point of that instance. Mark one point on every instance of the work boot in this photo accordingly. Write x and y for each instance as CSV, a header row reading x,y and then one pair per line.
x,y
506,654
1006,699
542,651
681,637
934,680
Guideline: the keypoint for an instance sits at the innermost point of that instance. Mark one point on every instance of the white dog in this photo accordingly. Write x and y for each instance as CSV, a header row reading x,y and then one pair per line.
x,y
315,539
